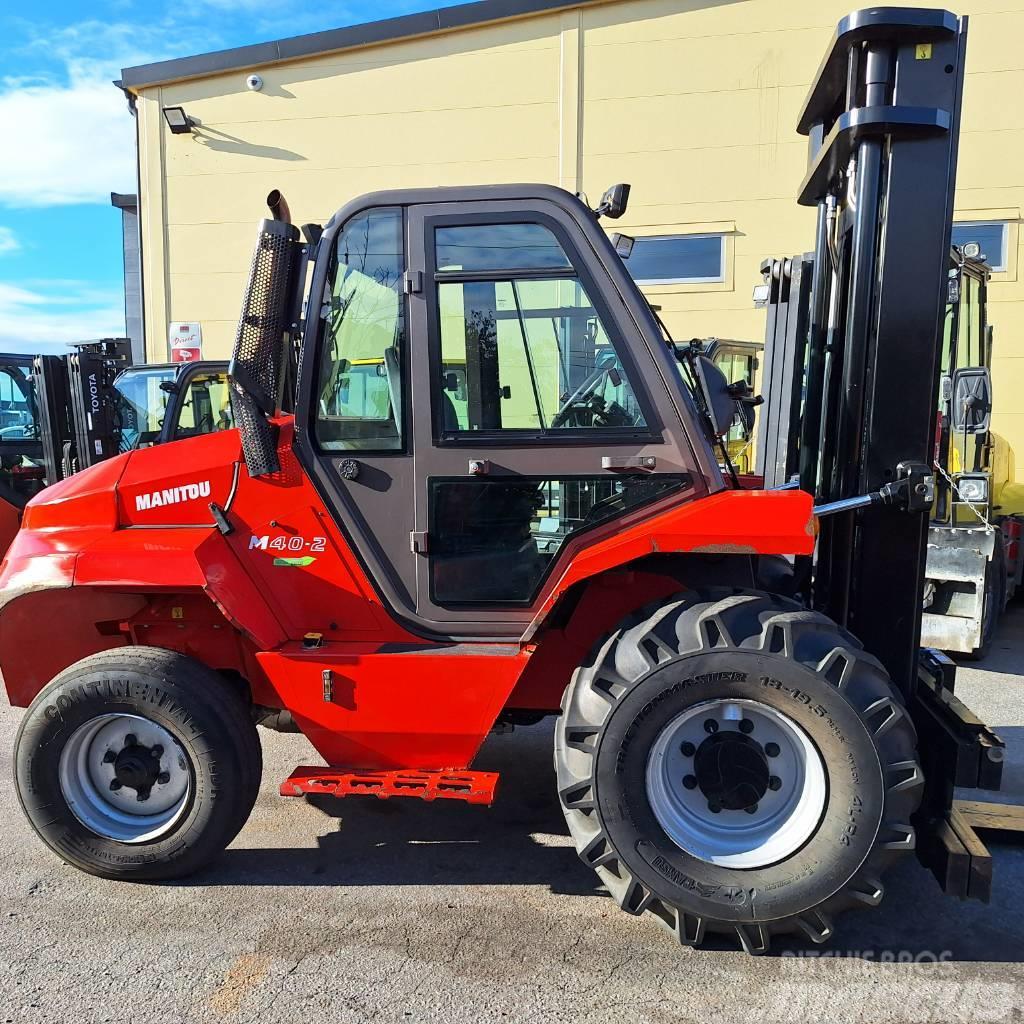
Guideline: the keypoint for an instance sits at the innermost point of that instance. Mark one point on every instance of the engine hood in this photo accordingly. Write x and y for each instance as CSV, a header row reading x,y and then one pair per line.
x,y
174,484
89,498
168,485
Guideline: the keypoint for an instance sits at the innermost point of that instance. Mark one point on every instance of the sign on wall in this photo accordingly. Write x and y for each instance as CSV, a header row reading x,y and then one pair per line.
x,y
186,341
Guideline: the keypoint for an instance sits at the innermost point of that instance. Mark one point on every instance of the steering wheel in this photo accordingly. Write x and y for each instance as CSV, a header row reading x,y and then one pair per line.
x,y
583,398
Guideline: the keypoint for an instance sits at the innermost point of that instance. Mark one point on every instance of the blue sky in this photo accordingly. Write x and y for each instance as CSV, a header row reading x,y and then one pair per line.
x,y
68,140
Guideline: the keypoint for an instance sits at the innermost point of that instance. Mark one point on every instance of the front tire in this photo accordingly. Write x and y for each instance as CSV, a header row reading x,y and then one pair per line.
x,y
138,764
735,764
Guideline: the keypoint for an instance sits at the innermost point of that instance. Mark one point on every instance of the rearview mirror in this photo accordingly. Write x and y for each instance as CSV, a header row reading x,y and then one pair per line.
x,y
972,399
613,202
721,404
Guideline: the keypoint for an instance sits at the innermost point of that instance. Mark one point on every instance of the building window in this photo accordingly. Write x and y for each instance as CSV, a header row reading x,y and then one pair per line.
x,y
990,235
677,259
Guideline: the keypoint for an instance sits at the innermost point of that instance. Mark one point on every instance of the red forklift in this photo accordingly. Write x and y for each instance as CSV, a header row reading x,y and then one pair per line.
x,y
499,498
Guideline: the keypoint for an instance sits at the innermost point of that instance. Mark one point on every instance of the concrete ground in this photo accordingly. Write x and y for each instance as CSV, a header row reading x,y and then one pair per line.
x,y
401,911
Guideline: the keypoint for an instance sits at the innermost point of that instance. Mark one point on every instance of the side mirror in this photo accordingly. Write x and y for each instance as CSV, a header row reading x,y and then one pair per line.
x,y
721,404
972,399
613,202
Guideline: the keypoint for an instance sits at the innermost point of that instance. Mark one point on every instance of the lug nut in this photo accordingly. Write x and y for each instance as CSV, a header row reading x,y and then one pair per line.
x,y
130,740
157,751
141,795
775,782
746,725
163,778
771,749
690,781
109,757
687,749
115,784
752,809
714,808
711,726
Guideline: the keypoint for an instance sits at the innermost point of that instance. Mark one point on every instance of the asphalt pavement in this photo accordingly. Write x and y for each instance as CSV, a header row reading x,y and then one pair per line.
x,y
401,911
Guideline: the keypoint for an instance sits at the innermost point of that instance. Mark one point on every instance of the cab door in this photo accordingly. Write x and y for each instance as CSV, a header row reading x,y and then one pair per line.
x,y
538,414
476,397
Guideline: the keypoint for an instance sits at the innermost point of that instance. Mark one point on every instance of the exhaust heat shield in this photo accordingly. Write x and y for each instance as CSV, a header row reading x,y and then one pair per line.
x,y
257,361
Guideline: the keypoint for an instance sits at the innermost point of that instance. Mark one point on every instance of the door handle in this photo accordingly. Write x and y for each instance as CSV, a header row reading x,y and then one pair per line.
x,y
629,463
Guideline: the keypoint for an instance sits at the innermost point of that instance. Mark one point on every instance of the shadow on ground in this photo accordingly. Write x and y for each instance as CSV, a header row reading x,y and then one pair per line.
x,y
522,841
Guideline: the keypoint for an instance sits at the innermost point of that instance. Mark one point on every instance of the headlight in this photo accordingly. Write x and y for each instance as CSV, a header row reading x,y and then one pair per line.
x,y
973,489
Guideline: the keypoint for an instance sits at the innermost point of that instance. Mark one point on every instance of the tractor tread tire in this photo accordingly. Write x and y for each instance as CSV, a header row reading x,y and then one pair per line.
x,y
716,619
226,740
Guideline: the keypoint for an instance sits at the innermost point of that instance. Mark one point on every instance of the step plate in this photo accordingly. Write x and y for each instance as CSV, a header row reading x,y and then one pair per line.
x,y
470,787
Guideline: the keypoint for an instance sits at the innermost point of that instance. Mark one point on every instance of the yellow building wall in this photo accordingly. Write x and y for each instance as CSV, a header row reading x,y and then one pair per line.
x,y
692,102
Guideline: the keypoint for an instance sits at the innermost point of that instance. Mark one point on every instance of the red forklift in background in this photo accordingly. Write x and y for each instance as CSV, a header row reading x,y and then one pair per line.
x,y
499,498
61,414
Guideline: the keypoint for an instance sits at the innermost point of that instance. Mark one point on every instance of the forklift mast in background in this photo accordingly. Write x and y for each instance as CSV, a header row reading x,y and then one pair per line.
x,y
76,406
854,333
91,372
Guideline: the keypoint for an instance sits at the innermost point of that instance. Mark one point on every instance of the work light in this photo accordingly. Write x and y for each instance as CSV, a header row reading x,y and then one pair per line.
x,y
973,488
178,121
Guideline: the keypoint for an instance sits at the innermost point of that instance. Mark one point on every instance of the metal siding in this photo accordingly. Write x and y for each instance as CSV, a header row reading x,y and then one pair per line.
x,y
695,105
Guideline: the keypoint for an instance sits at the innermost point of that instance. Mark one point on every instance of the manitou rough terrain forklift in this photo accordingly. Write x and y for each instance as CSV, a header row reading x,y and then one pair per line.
x,y
499,498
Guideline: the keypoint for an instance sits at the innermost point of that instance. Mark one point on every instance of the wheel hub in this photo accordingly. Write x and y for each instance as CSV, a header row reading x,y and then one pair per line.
x,y
736,783
732,771
125,777
138,768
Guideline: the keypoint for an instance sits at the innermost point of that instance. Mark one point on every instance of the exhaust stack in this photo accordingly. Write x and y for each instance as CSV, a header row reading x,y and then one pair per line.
x,y
257,361
278,207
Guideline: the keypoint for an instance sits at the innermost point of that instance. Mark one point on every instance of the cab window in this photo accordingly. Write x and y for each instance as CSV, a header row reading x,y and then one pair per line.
x,y
141,404
359,376
205,406
522,347
17,406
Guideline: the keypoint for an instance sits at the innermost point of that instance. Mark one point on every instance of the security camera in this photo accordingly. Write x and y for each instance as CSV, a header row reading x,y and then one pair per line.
x,y
254,82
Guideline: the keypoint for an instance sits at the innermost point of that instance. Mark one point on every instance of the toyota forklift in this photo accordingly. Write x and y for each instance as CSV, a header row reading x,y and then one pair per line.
x,y
519,512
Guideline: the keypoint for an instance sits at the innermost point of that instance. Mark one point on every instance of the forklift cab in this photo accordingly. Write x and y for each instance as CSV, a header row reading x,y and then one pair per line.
x,y
470,400
162,402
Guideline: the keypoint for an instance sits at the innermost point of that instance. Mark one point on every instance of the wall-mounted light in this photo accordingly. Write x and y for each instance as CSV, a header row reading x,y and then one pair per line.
x,y
178,121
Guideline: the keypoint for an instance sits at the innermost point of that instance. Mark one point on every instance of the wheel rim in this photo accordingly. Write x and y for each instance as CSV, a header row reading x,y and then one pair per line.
x,y
736,783
125,778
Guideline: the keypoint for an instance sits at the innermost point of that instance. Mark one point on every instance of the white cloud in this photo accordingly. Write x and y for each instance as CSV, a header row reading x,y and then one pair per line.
x,y
47,316
69,143
70,138
8,241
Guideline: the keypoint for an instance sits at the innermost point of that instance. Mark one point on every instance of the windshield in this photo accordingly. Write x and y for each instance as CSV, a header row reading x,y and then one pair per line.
x,y
141,405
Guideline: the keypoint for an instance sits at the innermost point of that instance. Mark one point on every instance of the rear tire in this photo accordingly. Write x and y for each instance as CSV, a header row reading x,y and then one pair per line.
x,y
137,763
731,848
